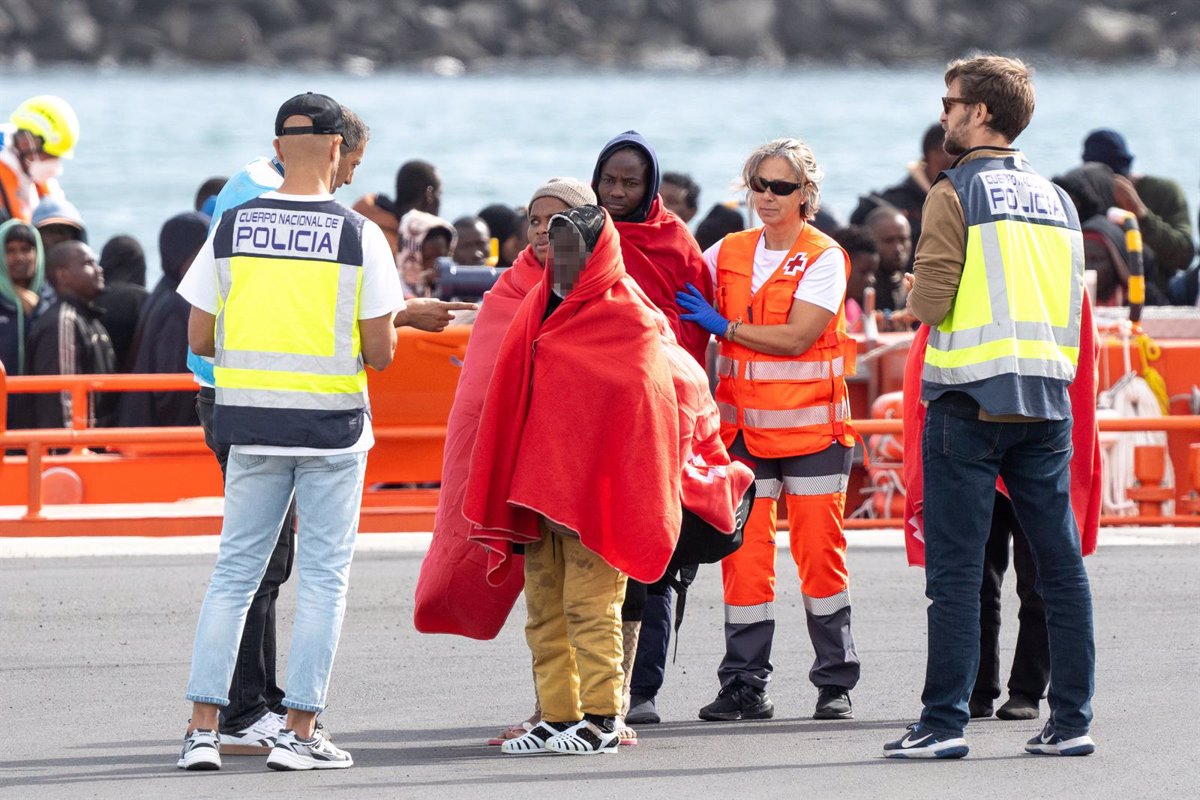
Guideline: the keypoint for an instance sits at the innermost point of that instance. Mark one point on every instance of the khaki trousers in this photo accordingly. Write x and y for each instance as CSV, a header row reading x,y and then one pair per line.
x,y
574,630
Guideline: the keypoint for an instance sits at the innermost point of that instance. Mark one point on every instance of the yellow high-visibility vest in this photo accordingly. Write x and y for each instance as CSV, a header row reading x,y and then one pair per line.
x,y
288,368
1014,324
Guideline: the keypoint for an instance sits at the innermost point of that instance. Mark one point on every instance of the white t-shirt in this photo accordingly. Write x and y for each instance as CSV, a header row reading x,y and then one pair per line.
x,y
823,283
379,294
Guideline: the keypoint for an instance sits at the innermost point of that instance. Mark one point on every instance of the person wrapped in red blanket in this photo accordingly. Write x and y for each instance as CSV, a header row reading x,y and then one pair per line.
x,y
452,594
659,251
1031,661
578,461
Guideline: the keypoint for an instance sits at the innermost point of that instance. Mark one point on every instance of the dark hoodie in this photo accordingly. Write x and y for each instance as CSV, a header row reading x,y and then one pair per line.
x,y
632,140
160,345
124,293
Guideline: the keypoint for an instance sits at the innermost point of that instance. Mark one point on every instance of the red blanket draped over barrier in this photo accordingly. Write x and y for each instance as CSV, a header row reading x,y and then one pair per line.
x,y
1086,483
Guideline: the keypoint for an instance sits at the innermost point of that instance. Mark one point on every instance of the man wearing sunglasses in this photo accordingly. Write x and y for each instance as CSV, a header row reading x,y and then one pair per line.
x,y
998,365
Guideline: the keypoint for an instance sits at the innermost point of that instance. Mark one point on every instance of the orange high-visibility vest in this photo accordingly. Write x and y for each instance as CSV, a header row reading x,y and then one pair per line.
x,y
783,405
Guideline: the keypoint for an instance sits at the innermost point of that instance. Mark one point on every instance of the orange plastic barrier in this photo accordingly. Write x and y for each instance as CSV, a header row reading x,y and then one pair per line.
x,y
156,467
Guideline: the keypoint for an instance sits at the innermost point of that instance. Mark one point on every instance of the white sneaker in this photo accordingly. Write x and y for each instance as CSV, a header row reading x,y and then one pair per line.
x,y
201,751
256,739
320,725
291,752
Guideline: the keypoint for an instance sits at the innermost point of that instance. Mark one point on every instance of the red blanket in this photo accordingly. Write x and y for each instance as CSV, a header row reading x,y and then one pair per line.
x,y
1086,483
453,595
585,431
663,257
711,485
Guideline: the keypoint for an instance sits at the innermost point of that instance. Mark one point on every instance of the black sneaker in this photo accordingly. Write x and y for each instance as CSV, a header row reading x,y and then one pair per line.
x,y
1019,707
738,701
919,743
980,709
1051,743
833,702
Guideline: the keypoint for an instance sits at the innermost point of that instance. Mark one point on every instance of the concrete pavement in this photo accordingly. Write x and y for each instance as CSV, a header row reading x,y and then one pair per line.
x,y
96,650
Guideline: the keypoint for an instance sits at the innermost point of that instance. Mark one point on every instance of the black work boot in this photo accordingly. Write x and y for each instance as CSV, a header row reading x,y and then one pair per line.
x,y
738,701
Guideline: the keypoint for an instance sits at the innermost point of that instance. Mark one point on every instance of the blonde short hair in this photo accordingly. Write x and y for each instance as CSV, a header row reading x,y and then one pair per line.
x,y
800,156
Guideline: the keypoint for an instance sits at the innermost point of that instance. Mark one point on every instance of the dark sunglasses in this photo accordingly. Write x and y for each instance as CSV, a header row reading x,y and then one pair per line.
x,y
949,101
778,188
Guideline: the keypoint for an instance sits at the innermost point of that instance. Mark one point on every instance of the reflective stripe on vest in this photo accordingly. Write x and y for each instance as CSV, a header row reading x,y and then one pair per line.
x,y
783,405
287,340
782,370
1023,233
796,417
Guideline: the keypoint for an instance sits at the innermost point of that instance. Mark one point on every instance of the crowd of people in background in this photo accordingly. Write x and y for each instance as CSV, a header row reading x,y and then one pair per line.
x,y
64,309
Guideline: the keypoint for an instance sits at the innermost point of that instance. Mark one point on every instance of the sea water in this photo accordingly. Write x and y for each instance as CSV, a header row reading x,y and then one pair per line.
x,y
150,137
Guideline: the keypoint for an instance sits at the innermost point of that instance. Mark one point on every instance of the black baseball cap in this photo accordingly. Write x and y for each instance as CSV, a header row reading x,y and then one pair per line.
x,y
324,111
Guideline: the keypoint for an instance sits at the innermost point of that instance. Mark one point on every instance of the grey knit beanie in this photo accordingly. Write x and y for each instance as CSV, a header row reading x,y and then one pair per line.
x,y
572,192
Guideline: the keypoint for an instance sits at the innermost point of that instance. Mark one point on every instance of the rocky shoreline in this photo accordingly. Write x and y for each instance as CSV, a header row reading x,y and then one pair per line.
x,y
451,36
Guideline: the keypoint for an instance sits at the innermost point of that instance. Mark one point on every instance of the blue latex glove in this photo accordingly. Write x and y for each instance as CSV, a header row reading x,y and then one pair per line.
x,y
700,311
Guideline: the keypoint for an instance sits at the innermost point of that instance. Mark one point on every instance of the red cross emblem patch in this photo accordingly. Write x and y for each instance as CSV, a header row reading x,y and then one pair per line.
x,y
796,264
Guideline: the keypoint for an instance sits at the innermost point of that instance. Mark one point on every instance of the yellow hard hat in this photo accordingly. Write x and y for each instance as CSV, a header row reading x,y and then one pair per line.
x,y
51,118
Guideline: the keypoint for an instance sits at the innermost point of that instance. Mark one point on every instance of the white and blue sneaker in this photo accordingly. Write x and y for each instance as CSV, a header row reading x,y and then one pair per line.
x,y
920,743
1050,743
201,751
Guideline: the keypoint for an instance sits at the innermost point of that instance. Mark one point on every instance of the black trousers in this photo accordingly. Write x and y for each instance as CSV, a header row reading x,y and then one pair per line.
x,y
1031,662
253,690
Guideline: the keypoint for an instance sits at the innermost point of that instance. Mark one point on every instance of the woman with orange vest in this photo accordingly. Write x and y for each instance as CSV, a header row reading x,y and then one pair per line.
x,y
780,314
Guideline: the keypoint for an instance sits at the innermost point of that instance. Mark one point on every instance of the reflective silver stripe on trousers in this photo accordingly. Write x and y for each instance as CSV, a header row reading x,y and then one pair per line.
x,y
794,370
342,362
795,417
1025,367
728,413
748,615
824,606
767,488
306,401
1002,322
815,484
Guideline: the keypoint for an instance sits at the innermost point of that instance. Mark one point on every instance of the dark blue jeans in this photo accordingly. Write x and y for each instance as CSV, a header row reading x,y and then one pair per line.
x,y
962,458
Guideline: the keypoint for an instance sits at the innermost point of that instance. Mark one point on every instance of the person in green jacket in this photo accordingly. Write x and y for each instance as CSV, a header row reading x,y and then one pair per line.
x,y
1159,204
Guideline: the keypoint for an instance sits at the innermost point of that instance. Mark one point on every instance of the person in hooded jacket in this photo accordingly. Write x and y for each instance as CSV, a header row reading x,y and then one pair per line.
x,y
662,256
25,294
160,343
124,295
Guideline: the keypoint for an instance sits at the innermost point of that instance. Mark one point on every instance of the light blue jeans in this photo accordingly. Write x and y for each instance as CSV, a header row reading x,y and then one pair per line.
x,y
258,490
